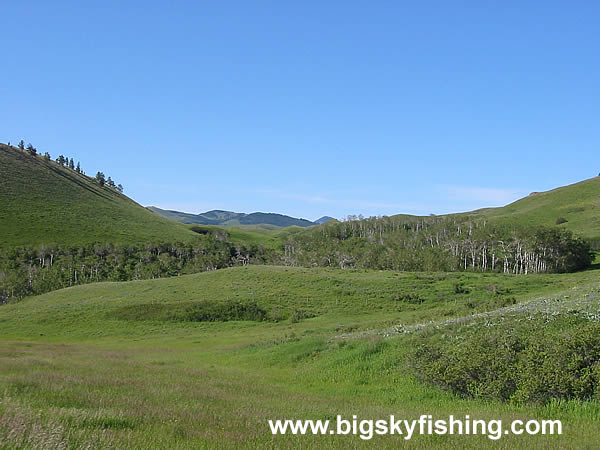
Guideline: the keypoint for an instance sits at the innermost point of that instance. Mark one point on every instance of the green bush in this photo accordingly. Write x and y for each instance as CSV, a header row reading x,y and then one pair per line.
x,y
414,299
203,311
528,361
299,315
459,288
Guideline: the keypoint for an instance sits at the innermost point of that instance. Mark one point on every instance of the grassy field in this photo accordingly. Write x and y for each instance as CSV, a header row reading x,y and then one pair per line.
x,y
44,203
103,365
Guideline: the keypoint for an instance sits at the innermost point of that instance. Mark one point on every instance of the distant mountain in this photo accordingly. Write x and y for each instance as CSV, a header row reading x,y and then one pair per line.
x,y
229,218
323,220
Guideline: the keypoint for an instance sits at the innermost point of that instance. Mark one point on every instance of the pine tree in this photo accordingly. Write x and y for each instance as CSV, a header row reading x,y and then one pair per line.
x,y
22,144
100,178
31,149
78,168
71,165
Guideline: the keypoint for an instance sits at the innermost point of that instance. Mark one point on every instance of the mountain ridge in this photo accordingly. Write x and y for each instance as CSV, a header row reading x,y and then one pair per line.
x,y
230,218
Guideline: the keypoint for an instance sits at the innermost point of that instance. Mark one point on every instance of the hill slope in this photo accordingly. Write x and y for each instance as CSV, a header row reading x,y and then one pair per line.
x,y
229,218
43,202
578,203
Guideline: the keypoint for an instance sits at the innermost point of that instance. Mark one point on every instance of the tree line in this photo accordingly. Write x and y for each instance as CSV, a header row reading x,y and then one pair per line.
x,y
28,271
437,244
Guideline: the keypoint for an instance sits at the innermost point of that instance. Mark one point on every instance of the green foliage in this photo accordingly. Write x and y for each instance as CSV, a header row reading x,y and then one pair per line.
x,y
414,299
531,360
203,311
561,220
459,288
437,244
35,270
299,315
100,179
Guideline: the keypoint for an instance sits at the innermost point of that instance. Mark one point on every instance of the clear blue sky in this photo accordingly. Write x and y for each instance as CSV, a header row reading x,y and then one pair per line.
x,y
309,108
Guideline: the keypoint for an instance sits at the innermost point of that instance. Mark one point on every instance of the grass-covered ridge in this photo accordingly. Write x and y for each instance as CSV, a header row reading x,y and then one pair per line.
x,y
577,203
45,203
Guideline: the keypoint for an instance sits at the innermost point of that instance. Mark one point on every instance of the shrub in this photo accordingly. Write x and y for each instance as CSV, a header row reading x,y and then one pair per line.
x,y
414,299
203,311
459,288
560,220
298,315
530,361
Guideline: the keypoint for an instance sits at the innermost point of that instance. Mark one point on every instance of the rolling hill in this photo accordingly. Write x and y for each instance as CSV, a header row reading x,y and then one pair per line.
x,y
229,218
166,363
578,203
45,203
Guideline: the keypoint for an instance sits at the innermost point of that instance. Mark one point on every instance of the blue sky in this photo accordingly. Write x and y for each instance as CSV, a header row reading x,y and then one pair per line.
x,y
309,108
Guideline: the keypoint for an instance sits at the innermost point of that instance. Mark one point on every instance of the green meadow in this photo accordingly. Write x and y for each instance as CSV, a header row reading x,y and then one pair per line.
x,y
134,365
205,360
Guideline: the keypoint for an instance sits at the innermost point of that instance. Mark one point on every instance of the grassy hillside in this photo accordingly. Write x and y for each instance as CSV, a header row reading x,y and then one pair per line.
x,y
579,203
128,365
229,218
271,238
42,202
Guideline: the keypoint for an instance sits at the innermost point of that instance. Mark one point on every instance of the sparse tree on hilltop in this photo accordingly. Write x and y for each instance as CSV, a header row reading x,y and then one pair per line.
x,y
71,164
22,144
120,188
47,156
110,182
61,160
100,178
31,149
78,168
